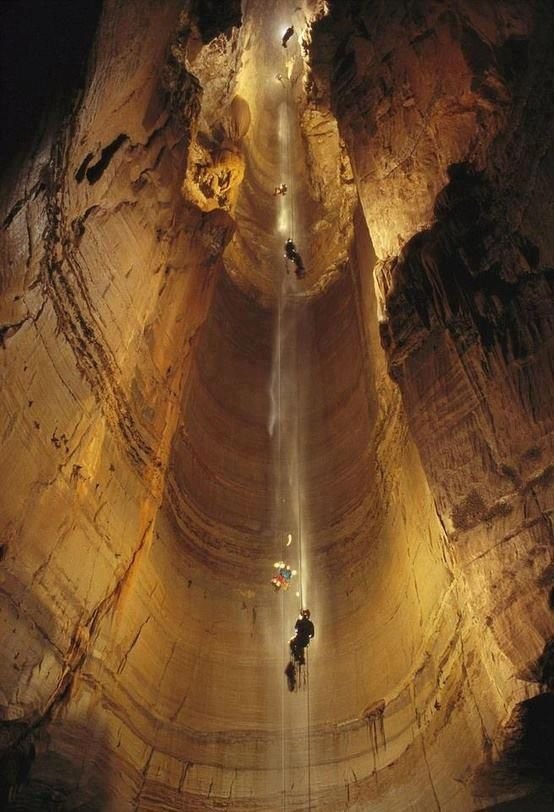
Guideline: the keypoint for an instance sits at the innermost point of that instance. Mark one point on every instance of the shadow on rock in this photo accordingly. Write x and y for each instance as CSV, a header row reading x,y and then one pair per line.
x,y
59,767
526,763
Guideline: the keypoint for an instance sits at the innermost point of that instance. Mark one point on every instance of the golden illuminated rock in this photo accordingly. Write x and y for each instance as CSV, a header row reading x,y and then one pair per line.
x,y
180,409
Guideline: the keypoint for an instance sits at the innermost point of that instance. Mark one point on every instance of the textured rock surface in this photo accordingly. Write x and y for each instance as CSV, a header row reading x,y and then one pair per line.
x,y
450,129
143,502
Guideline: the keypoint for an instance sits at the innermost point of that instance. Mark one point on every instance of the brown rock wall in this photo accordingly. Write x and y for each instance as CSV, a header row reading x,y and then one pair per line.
x,y
416,88
151,485
99,273
464,309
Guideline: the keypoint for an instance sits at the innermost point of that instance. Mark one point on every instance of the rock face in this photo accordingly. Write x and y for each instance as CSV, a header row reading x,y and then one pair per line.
x,y
175,404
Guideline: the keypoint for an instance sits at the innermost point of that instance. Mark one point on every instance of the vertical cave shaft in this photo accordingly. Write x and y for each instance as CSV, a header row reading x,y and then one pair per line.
x,y
177,402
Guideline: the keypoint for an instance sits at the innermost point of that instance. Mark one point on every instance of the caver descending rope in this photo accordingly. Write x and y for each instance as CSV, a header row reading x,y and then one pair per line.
x,y
301,574
290,200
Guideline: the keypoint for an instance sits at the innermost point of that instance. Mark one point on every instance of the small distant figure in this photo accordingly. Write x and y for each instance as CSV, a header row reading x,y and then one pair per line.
x,y
291,253
287,35
304,632
280,190
280,79
290,249
290,673
284,576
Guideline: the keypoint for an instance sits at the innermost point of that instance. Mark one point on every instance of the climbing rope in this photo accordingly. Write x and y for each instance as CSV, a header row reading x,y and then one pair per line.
x,y
279,511
308,726
288,480
292,235
290,177
301,577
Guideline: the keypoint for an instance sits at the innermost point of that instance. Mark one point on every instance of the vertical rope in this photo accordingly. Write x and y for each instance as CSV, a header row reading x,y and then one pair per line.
x,y
309,732
298,480
300,569
283,740
290,179
279,516
297,477
292,234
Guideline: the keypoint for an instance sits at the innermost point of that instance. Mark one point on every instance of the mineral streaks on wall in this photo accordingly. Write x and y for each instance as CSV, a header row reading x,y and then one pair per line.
x,y
106,279
141,640
446,125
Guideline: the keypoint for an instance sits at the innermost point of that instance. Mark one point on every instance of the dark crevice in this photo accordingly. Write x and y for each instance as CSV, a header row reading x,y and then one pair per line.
x,y
478,54
545,665
95,172
8,330
513,57
44,49
16,208
80,173
526,763
530,749
214,17
449,277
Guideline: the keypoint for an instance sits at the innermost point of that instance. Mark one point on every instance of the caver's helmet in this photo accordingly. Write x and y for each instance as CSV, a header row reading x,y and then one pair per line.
x,y
306,613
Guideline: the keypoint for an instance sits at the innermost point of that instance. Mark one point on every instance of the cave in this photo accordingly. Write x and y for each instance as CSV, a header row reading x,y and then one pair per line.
x,y
184,409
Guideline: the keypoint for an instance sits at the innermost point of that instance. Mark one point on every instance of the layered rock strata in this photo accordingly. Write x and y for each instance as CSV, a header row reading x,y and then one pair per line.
x,y
449,128
142,304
